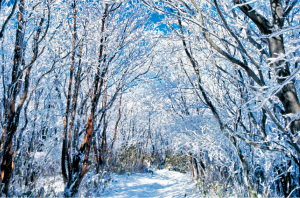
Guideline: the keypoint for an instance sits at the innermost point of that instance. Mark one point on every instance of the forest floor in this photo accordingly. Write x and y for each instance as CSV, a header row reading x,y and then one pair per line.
x,y
160,183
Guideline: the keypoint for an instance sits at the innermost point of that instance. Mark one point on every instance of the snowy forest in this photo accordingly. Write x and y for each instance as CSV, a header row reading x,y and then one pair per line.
x,y
98,89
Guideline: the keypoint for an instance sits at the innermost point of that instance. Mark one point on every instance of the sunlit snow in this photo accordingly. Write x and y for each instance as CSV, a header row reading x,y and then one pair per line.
x,y
162,183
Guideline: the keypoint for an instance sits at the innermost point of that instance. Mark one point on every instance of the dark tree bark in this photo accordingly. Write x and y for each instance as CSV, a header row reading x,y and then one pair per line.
x,y
287,95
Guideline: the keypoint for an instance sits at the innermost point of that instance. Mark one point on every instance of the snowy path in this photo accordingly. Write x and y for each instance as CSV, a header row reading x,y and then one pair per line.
x,y
162,183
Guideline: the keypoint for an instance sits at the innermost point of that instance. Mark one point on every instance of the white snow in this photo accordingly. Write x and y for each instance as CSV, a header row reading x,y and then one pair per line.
x,y
162,183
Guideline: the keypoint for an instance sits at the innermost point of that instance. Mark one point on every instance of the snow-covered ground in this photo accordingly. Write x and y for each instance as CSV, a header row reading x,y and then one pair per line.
x,y
162,183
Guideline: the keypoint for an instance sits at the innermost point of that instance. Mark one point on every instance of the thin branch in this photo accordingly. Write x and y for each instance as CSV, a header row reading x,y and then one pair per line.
x,y
8,18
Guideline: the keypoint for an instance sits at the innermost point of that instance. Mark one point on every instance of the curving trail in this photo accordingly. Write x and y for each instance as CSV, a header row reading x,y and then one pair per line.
x,y
162,183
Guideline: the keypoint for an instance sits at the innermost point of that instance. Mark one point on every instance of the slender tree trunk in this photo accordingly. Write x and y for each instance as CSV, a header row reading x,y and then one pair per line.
x,y
65,159
117,123
191,162
196,168
103,149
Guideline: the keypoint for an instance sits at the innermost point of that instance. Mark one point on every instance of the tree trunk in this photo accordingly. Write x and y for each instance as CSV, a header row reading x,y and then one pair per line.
x,y
12,117
117,123
287,95
197,168
191,162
